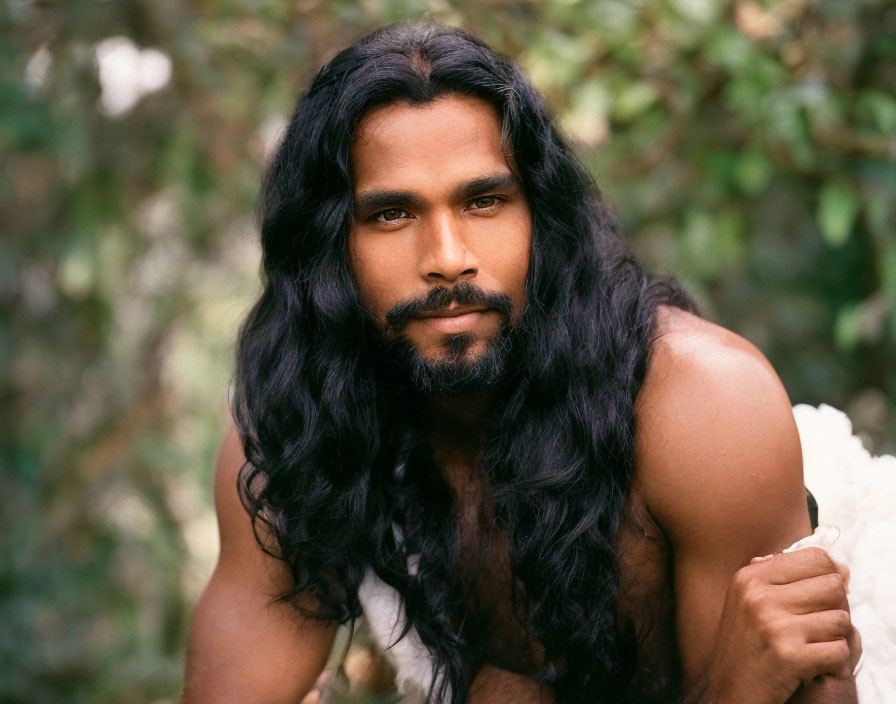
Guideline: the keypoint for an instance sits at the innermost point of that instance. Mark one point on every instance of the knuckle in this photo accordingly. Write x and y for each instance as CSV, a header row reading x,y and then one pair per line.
x,y
838,661
845,619
844,622
768,629
825,561
756,601
821,558
842,651
785,653
835,583
855,643
742,579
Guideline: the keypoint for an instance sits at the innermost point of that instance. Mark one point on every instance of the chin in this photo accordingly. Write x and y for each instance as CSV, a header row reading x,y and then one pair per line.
x,y
463,366
456,364
461,347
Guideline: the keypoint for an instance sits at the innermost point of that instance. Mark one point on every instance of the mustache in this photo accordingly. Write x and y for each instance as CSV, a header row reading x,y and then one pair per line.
x,y
464,293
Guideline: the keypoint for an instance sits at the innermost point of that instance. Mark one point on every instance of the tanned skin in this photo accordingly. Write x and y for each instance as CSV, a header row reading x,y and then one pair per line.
x,y
718,469
244,647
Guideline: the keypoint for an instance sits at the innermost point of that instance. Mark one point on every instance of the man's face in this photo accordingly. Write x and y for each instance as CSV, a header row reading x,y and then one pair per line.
x,y
441,229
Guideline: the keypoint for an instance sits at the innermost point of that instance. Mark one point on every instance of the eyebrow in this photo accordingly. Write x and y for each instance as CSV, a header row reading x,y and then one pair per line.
x,y
369,201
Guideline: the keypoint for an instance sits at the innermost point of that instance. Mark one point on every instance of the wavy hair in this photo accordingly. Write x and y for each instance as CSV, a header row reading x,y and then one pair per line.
x,y
339,471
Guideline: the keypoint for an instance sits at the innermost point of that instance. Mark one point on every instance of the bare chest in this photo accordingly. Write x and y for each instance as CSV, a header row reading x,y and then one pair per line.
x,y
493,599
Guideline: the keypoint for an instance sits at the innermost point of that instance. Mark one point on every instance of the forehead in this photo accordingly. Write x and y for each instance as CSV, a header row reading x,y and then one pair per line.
x,y
425,147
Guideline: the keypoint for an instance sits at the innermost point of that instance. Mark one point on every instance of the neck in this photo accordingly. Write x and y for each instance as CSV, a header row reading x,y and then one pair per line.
x,y
457,430
462,414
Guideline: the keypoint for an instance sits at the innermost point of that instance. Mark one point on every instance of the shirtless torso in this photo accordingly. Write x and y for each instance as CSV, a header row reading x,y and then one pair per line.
x,y
646,594
718,481
647,587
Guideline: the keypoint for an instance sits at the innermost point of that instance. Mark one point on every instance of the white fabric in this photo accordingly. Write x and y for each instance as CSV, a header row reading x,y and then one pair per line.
x,y
856,496
384,614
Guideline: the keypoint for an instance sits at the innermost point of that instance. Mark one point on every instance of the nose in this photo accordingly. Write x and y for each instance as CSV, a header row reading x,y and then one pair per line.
x,y
445,255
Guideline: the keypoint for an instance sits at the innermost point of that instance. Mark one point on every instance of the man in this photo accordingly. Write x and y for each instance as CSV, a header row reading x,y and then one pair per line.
x,y
456,380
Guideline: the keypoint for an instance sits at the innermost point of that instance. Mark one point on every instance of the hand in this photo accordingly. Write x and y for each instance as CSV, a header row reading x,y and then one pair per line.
x,y
785,621
314,696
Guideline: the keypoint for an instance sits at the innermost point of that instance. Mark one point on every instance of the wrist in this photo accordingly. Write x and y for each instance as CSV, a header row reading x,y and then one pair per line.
x,y
826,690
710,690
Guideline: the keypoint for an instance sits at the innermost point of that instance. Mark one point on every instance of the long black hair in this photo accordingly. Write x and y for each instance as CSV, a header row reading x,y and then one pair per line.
x,y
338,468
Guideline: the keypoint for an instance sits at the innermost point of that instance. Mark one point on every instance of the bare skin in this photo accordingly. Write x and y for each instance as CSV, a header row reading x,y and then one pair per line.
x,y
242,647
719,473
718,477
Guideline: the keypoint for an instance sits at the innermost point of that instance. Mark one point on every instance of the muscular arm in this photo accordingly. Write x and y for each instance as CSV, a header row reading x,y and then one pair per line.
x,y
719,462
243,648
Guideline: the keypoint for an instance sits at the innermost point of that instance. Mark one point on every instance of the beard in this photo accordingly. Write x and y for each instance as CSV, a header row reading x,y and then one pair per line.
x,y
459,372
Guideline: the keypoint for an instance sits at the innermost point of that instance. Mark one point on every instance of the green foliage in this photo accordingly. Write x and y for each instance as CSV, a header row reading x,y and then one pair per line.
x,y
749,148
837,210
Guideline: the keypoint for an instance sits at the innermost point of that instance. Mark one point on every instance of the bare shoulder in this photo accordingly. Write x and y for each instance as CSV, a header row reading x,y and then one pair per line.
x,y
685,345
238,538
244,645
716,445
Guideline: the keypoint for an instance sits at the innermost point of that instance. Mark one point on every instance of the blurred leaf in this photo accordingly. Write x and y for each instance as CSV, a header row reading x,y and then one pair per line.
x,y
848,325
728,48
882,109
713,242
633,100
753,171
888,276
837,210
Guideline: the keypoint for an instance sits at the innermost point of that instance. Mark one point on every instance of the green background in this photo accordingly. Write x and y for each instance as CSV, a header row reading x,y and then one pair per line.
x,y
748,147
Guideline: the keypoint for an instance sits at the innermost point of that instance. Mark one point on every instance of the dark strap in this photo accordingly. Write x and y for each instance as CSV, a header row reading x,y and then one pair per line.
x,y
813,509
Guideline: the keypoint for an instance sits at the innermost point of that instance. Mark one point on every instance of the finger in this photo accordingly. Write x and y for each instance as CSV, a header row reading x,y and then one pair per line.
x,y
824,626
822,593
843,569
827,658
788,567
313,697
854,641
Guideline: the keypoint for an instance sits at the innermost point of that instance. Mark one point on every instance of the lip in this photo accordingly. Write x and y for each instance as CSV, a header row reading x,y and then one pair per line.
x,y
452,312
452,320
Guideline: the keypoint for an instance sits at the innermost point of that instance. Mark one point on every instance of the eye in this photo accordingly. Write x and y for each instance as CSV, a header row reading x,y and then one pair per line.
x,y
391,215
484,202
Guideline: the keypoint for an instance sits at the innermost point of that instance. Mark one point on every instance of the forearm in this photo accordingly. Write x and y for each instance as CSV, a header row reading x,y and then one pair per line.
x,y
821,690
826,690
493,685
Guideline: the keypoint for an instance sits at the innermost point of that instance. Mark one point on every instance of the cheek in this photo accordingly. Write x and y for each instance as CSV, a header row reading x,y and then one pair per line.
x,y
504,250
374,276
519,292
516,266
521,263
